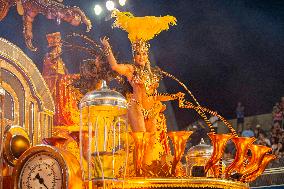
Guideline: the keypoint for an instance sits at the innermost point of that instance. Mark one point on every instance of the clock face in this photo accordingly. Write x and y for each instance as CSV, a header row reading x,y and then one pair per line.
x,y
41,171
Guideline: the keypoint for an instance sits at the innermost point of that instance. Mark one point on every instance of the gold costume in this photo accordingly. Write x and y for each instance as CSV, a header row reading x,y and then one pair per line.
x,y
140,31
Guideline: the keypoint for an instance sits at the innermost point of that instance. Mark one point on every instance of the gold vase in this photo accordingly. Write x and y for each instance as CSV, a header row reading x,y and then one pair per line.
x,y
141,140
219,142
242,144
257,154
179,139
252,176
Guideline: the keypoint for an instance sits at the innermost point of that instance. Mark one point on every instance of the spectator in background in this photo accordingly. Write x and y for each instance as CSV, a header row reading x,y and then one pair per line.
x,y
258,130
263,140
247,132
277,127
274,143
280,150
240,113
278,112
281,139
282,103
277,146
278,115
273,132
214,120
277,105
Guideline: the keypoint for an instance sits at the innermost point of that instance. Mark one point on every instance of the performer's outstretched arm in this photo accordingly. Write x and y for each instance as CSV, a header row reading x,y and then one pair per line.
x,y
122,69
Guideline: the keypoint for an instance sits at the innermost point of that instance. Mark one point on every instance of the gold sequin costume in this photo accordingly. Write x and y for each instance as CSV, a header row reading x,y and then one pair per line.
x,y
140,30
150,80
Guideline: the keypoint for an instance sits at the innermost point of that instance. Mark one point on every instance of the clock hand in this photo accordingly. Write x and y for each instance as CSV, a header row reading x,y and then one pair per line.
x,y
40,180
44,184
37,177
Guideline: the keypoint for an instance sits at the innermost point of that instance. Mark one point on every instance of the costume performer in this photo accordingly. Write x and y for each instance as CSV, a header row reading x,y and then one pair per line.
x,y
145,107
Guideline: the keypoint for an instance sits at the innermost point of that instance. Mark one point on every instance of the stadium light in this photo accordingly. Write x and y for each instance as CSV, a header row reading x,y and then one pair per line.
x,y
98,9
122,2
110,5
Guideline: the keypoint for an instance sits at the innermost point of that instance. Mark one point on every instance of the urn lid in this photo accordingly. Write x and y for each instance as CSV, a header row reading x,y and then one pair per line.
x,y
200,150
103,97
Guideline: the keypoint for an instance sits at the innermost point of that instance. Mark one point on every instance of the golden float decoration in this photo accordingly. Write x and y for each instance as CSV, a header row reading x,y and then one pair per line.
x,y
111,156
16,142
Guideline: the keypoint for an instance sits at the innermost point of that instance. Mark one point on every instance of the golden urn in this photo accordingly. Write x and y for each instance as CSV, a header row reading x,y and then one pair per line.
x,y
196,159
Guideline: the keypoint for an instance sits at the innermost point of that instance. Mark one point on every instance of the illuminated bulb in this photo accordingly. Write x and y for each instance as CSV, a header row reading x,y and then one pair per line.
x,y
110,5
98,9
58,21
122,2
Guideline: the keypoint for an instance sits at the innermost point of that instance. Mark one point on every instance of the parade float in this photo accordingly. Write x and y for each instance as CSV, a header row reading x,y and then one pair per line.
x,y
75,132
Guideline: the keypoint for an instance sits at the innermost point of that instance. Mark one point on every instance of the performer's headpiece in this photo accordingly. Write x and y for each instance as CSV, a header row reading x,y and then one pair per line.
x,y
141,29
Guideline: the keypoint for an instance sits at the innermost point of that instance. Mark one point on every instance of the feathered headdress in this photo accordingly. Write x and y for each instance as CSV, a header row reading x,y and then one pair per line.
x,y
142,29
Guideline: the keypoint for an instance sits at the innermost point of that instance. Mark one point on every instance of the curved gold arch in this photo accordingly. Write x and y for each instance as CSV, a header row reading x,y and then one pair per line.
x,y
16,56
21,69
10,90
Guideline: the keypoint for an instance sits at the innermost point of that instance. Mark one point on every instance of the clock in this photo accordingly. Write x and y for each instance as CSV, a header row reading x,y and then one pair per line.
x,y
47,167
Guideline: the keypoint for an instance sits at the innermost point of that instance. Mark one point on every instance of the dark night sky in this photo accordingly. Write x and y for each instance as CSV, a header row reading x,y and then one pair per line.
x,y
224,51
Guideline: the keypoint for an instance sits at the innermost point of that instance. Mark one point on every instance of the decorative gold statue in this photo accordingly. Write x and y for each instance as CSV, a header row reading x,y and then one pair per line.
x,y
59,82
53,63
51,9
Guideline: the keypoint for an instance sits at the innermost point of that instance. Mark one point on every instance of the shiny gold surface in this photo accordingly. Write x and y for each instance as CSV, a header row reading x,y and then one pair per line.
x,y
266,159
16,142
17,56
257,154
196,182
19,144
70,167
141,140
198,156
219,142
242,144
179,139
200,150
20,67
